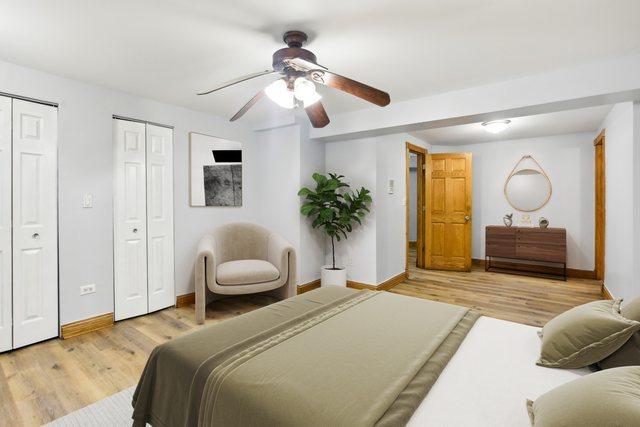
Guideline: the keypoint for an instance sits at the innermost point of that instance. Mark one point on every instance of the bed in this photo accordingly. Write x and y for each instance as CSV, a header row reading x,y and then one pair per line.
x,y
336,356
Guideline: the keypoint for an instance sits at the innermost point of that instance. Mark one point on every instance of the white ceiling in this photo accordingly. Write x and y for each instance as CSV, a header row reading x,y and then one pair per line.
x,y
170,49
558,123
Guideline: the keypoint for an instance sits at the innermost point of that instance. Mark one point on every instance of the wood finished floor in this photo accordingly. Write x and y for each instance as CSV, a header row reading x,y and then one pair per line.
x,y
48,380
45,381
522,299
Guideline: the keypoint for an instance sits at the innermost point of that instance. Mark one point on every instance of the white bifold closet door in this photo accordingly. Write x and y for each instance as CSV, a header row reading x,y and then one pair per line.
x,y
5,224
143,229
35,231
160,264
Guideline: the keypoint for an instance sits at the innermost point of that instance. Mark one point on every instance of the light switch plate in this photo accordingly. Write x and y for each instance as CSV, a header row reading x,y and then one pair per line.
x,y
87,200
392,184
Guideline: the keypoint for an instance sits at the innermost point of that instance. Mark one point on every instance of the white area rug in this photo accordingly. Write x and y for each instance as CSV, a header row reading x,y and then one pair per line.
x,y
112,411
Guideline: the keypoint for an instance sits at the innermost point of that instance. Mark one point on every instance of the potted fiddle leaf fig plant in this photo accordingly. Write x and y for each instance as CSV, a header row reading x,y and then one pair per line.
x,y
335,209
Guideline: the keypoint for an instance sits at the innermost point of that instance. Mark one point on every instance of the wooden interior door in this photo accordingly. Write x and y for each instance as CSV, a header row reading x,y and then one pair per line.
x,y
448,218
130,222
6,341
35,223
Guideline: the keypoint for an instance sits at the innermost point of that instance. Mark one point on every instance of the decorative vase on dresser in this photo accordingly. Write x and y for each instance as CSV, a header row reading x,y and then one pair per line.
x,y
522,244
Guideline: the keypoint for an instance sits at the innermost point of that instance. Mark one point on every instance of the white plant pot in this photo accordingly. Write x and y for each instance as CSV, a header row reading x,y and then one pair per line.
x,y
329,277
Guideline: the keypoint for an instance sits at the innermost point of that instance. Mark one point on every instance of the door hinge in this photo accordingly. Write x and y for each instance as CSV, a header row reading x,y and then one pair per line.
x,y
424,167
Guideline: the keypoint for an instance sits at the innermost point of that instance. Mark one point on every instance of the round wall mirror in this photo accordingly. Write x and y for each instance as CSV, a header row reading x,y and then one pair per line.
x,y
527,190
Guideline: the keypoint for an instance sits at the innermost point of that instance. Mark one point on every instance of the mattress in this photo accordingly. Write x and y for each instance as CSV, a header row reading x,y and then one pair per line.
x,y
489,379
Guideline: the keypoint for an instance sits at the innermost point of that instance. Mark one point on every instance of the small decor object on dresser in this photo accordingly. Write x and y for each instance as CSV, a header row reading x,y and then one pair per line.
x,y
508,219
525,221
543,222
216,171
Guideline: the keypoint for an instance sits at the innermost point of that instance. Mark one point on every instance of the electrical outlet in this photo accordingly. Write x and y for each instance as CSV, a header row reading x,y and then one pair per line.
x,y
87,289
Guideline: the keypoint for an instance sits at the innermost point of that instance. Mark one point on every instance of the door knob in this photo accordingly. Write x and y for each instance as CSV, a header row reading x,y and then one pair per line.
x,y
35,235
135,230
467,218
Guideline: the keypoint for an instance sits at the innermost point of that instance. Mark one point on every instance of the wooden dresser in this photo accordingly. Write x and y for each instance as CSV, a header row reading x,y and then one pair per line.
x,y
548,245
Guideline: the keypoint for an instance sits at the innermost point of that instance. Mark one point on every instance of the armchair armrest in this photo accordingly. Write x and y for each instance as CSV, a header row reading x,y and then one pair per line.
x,y
283,255
278,251
206,256
205,274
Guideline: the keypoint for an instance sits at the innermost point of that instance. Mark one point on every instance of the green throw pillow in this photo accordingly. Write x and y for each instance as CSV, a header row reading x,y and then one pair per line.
x,y
605,398
629,353
585,335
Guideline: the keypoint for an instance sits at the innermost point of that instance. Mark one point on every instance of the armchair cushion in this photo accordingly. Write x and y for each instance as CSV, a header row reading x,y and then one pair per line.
x,y
246,272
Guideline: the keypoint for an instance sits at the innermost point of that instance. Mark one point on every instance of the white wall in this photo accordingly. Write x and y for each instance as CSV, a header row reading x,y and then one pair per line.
x,y
85,164
356,160
621,191
391,208
312,241
569,162
376,251
278,207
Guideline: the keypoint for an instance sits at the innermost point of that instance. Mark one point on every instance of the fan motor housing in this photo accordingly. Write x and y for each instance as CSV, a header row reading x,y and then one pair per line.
x,y
291,52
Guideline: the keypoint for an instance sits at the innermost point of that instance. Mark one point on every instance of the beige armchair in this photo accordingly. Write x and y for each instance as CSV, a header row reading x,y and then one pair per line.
x,y
243,258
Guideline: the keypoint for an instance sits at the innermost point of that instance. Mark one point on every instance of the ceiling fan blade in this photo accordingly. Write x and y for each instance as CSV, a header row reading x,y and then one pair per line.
x,y
239,80
348,85
317,115
248,105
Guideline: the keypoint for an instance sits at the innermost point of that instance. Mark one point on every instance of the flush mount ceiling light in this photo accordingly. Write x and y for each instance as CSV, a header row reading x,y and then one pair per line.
x,y
496,126
299,74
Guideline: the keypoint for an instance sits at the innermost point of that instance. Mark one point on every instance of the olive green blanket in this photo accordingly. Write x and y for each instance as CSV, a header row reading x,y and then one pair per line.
x,y
333,356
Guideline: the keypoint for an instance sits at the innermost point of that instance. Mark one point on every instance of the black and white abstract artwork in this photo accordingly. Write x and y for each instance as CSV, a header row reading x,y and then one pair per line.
x,y
216,171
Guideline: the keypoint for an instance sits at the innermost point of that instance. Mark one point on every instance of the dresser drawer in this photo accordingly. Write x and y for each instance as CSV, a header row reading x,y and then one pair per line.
x,y
542,237
541,252
500,242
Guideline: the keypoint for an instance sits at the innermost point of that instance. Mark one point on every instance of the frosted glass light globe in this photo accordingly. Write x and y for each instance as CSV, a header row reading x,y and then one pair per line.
x,y
279,93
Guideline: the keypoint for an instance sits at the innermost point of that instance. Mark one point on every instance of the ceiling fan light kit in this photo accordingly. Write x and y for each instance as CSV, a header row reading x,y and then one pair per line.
x,y
279,93
297,87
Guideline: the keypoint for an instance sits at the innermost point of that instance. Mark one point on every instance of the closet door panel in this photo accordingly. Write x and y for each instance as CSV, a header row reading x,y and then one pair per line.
x,y
160,217
35,234
5,224
130,229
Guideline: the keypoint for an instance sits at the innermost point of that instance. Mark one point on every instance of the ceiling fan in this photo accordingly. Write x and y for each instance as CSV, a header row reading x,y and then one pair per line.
x,y
296,87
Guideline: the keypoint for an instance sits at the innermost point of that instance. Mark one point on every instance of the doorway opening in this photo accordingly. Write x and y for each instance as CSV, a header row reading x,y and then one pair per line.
x,y
415,205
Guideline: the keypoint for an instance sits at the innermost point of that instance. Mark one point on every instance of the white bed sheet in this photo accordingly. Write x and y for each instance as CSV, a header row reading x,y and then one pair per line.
x,y
489,379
